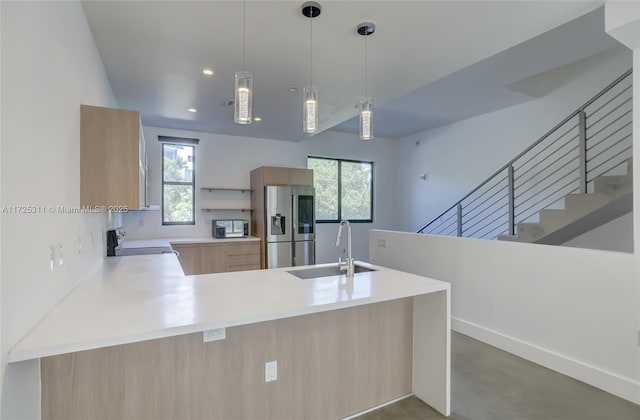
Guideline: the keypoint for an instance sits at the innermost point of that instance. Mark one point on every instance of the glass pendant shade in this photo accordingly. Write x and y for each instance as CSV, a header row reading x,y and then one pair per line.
x,y
244,99
366,119
310,109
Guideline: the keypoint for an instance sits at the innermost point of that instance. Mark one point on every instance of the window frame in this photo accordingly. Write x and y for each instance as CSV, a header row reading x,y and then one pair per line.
x,y
192,184
340,160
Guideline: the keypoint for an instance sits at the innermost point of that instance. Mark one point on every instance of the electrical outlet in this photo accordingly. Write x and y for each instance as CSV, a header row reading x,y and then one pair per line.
x,y
214,335
271,371
141,222
79,244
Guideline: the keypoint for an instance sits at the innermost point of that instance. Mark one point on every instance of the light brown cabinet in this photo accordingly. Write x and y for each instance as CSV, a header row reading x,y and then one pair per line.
x,y
207,258
240,257
113,162
275,175
212,258
190,259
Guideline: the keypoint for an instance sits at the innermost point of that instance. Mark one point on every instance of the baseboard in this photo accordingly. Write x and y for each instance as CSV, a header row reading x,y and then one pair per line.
x,y
607,381
353,416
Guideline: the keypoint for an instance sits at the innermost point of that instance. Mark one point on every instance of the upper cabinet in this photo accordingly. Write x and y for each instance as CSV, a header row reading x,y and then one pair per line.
x,y
274,175
113,162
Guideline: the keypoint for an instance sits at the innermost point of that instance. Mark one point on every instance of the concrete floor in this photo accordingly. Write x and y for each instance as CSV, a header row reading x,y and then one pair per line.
x,y
490,384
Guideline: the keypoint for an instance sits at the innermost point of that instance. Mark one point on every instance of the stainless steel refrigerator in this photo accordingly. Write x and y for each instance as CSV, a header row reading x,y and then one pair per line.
x,y
290,226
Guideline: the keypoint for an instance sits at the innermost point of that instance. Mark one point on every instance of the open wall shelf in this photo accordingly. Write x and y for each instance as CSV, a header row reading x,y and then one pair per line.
x,y
242,210
242,190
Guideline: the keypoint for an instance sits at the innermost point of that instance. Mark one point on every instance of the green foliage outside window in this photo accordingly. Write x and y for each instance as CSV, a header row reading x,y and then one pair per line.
x,y
177,184
344,189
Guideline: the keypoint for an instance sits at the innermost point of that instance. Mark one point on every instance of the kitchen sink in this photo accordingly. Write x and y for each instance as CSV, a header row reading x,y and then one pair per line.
x,y
327,271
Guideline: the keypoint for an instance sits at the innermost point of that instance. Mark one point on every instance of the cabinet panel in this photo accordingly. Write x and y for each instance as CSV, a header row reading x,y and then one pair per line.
x,y
218,258
190,259
301,177
110,157
212,258
243,249
243,256
244,267
276,175
243,259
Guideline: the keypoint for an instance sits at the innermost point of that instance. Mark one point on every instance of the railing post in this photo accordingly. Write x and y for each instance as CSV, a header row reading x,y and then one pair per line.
x,y
512,205
459,208
582,135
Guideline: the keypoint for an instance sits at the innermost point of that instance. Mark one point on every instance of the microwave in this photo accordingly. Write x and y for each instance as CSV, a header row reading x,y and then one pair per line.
x,y
232,228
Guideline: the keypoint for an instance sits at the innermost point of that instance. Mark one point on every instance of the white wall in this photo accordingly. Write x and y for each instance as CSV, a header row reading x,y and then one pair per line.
x,y
2,363
569,309
50,66
459,156
225,161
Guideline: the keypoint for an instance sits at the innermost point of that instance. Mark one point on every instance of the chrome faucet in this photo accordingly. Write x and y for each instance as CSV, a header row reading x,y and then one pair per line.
x,y
349,262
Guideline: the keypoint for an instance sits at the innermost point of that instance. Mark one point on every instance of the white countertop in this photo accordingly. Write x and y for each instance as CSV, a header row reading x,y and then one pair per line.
x,y
137,298
166,242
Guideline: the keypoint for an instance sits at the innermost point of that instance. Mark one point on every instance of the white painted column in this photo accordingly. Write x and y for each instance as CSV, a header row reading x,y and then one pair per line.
x,y
3,353
622,21
432,350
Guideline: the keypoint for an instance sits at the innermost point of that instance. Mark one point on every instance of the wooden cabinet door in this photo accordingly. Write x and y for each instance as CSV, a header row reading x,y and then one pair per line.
x,y
189,257
212,258
110,157
243,256
274,175
299,176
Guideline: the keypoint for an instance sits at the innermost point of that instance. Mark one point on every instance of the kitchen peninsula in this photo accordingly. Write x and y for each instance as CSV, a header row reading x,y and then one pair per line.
x,y
128,343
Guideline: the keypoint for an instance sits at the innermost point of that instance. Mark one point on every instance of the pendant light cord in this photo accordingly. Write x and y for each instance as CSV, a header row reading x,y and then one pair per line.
x,y
366,94
311,47
244,32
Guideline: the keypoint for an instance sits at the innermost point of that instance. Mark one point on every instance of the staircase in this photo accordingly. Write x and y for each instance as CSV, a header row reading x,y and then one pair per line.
x,y
612,197
573,179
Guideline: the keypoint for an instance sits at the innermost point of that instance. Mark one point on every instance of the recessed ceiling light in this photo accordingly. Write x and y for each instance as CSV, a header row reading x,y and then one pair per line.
x,y
257,119
292,88
207,72
192,110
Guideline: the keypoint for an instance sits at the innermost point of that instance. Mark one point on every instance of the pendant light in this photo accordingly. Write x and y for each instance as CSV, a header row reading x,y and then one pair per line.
x,y
365,106
310,9
243,104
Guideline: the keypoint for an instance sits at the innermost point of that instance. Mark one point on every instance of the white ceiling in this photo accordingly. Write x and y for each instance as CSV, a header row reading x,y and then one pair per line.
x,y
519,74
154,53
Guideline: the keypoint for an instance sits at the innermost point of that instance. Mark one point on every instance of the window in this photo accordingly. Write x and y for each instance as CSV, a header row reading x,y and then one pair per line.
x,y
344,189
178,184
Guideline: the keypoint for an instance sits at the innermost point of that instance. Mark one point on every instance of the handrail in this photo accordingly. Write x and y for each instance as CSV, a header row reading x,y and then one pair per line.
x,y
532,146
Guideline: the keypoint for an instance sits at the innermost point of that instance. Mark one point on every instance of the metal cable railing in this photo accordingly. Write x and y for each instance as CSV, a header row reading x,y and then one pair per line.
x,y
594,140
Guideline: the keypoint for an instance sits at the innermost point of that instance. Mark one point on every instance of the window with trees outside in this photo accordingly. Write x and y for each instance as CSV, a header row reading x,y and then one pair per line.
x,y
344,189
178,184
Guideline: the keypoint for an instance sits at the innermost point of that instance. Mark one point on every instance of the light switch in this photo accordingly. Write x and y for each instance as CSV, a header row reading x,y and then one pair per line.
x,y
52,257
60,257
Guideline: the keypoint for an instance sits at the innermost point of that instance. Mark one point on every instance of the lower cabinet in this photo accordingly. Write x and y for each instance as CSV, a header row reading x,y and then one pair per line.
x,y
212,258
209,258
242,257
189,257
